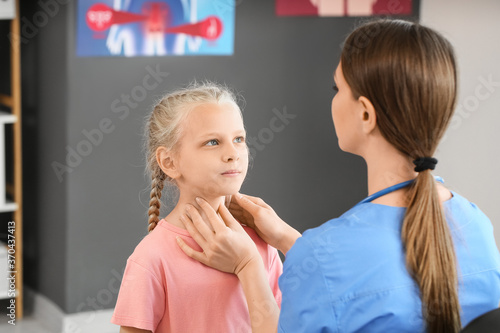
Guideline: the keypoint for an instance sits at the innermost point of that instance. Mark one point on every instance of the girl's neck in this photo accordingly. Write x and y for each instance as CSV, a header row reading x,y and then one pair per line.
x,y
180,209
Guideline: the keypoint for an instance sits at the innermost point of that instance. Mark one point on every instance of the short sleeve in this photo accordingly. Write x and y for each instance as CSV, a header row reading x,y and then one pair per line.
x,y
306,305
141,300
275,271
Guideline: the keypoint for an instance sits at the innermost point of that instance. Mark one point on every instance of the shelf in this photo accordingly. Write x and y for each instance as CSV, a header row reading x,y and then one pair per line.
x,y
7,10
8,206
10,114
7,118
5,295
6,100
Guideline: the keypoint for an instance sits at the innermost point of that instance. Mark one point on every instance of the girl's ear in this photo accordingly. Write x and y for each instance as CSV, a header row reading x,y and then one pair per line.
x,y
368,115
167,162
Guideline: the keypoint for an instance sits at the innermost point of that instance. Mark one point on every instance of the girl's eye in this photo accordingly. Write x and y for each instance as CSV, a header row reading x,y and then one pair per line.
x,y
335,88
212,142
239,139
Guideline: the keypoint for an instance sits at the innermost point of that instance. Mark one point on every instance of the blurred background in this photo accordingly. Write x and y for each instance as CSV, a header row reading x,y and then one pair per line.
x,y
85,195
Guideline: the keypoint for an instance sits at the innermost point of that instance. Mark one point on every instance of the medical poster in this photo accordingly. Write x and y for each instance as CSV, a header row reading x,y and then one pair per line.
x,y
132,28
343,7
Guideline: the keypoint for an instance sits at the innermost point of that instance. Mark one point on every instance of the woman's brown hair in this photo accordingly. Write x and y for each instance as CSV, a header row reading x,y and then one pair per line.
x,y
408,72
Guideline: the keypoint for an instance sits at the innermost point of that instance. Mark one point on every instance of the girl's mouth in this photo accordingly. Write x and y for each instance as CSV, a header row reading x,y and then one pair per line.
x,y
231,173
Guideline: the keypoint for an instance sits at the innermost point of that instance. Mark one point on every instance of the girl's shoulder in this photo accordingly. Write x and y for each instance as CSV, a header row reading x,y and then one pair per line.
x,y
253,235
269,254
155,245
262,246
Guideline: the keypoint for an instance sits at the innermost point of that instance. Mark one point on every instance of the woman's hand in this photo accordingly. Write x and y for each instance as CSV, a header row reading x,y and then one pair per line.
x,y
227,247
258,215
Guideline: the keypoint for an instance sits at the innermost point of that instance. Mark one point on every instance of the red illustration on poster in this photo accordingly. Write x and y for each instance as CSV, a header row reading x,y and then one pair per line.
x,y
343,7
100,17
148,28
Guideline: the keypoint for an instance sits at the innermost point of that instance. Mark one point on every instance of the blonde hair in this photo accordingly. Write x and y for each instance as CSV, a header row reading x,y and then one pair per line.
x,y
163,128
408,72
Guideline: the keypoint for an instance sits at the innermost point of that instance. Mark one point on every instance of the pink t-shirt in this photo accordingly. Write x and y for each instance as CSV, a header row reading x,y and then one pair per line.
x,y
163,290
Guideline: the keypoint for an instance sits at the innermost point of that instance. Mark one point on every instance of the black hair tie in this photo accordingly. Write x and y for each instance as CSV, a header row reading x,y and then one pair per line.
x,y
425,163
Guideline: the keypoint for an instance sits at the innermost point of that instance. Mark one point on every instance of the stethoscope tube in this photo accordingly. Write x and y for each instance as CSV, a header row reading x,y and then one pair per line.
x,y
392,189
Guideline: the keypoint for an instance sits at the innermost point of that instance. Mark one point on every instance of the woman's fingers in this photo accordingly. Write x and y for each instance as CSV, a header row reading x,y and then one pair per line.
x,y
248,205
193,231
256,200
234,205
227,247
190,252
194,220
214,220
235,209
228,218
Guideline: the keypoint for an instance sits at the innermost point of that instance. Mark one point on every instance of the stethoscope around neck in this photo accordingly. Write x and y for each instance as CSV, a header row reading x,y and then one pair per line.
x,y
392,188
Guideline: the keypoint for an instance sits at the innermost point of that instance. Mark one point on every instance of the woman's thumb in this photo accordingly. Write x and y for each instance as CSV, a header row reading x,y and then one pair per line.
x,y
228,218
245,203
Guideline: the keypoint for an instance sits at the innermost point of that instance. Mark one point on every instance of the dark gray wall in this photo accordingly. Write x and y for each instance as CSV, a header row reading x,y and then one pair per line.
x,y
46,219
85,226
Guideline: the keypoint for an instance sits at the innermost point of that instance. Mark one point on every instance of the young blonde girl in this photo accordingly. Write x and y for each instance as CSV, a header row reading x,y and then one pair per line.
x,y
195,139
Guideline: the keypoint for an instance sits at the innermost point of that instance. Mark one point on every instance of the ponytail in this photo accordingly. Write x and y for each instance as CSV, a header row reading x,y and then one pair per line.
x,y
430,256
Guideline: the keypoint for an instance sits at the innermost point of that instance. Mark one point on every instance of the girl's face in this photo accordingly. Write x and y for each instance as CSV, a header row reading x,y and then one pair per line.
x,y
345,114
213,155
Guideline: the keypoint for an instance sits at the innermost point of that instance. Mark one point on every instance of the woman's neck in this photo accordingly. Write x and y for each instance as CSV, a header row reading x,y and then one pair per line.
x,y
386,166
180,209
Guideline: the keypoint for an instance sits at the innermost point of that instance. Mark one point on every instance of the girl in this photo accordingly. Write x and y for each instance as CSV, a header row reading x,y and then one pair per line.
x,y
413,256
195,140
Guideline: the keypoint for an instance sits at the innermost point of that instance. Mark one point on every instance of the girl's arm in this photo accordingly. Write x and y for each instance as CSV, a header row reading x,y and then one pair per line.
x,y
228,248
125,329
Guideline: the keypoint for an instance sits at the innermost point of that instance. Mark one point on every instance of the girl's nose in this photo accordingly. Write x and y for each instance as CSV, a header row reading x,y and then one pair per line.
x,y
231,154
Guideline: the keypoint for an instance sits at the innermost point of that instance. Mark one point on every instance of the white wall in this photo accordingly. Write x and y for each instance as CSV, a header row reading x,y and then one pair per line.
x,y
469,155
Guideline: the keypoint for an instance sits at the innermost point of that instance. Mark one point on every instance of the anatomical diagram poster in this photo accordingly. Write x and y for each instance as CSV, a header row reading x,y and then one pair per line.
x,y
133,28
343,7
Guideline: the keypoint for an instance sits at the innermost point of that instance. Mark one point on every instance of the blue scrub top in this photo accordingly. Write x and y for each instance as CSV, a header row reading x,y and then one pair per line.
x,y
349,274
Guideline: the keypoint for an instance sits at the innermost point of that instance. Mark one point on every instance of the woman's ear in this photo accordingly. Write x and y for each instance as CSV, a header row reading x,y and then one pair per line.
x,y
167,162
369,116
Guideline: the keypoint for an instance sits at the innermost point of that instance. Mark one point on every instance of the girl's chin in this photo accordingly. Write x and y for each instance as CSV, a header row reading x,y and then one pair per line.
x,y
221,193
211,191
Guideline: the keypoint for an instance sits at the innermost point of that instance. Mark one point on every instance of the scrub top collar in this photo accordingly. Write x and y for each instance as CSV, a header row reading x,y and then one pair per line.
x,y
392,188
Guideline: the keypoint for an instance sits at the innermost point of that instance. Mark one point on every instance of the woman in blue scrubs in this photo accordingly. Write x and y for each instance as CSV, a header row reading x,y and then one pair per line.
x,y
413,256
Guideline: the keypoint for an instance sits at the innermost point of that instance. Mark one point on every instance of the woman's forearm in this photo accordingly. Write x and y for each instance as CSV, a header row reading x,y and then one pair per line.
x,y
286,242
262,306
